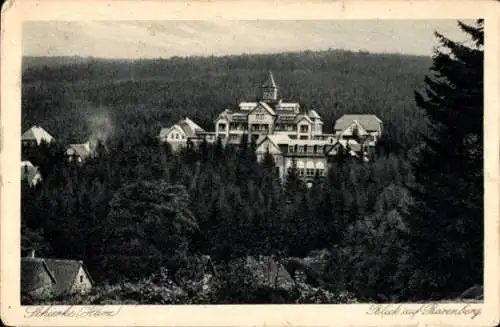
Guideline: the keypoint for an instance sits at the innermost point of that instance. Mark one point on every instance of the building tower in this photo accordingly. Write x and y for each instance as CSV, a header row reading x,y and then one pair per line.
x,y
269,90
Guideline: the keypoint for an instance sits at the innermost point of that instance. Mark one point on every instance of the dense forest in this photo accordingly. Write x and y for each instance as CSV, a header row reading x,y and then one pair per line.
x,y
137,98
140,216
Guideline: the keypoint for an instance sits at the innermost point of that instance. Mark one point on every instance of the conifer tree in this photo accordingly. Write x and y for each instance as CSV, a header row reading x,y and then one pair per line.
x,y
446,220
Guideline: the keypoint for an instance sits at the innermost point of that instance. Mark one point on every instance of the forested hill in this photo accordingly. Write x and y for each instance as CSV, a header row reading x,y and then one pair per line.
x,y
68,95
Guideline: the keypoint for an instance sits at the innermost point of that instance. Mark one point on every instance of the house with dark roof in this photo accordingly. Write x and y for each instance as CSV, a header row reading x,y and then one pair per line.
x,y
264,271
44,277
30,173
366,129
35,136
79,152
184,133
37,280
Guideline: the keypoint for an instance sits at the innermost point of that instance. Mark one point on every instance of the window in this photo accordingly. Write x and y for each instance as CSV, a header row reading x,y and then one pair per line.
x,y
260,116
222,127
290,148
303,137
266,147
304,128
176,136
81,279
301,149
301,171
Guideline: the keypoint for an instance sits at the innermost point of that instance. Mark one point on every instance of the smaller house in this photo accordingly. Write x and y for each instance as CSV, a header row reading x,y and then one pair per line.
x,y
71,276
80,152
183,133
37,280
35,136
44,277
30,173
366,129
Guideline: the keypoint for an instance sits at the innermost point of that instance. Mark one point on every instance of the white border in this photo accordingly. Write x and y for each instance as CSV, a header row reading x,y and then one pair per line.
x,y
13,13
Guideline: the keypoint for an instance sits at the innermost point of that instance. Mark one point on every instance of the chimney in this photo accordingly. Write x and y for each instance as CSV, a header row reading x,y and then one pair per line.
x,y
32,253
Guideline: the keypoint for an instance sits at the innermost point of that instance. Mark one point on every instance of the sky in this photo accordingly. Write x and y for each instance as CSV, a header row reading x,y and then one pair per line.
x,y
163,39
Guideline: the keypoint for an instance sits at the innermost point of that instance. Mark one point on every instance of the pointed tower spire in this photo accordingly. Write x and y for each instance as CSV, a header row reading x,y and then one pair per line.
x,y
270,81
269,89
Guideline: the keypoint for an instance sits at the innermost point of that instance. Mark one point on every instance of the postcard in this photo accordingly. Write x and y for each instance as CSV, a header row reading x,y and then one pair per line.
x,y
250,163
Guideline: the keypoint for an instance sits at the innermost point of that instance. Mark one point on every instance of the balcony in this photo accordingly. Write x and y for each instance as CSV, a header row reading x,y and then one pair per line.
x,y
238,128
256,128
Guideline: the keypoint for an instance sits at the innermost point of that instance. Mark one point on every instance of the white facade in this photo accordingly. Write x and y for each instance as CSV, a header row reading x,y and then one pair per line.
x,y
268,115
292,135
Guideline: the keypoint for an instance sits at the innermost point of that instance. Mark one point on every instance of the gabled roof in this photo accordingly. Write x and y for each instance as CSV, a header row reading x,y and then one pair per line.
x,y
353,145
368,122
38,134
276,139
302,116
266,107
314,114
65,272
32,271
270,81
189,127
265,271
226,114
192,124
81,150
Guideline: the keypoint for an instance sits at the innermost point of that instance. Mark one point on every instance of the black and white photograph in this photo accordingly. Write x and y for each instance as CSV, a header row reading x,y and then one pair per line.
x,y
252,162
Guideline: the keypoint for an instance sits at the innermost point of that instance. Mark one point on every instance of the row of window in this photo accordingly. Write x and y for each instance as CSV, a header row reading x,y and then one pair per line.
x,y
260,128
308,172
176,136
305,149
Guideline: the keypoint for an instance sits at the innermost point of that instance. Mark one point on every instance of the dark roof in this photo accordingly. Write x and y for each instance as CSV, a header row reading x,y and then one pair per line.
x,y
32,270
269,272
368,122
65,272
189,127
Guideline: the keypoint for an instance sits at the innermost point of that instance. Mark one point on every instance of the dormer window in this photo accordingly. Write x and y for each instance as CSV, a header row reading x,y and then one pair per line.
x,y
222,126
304,128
